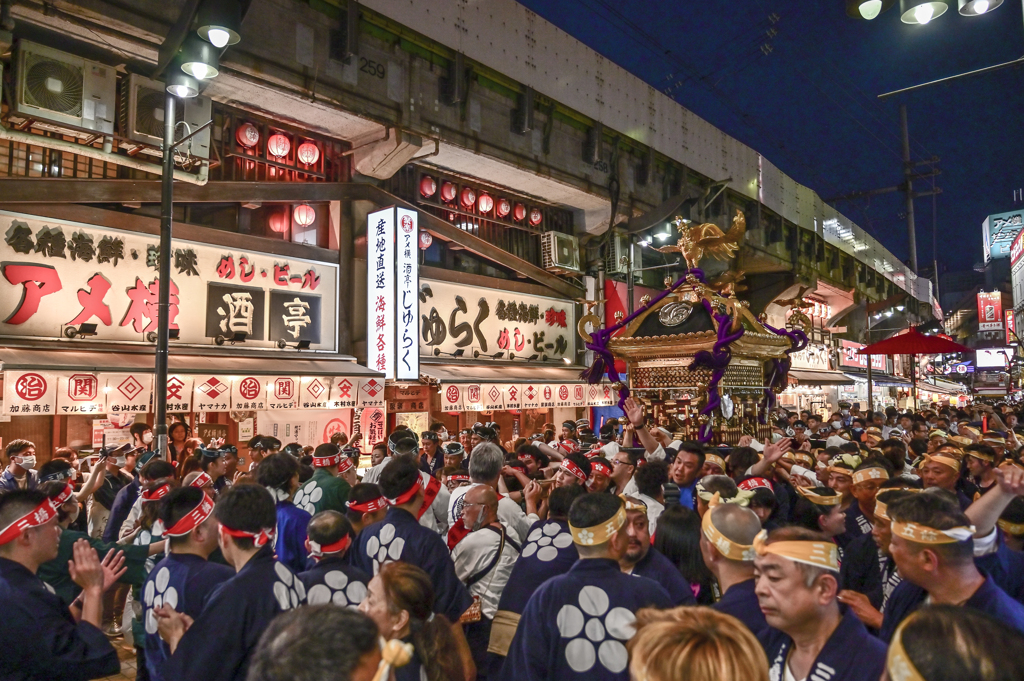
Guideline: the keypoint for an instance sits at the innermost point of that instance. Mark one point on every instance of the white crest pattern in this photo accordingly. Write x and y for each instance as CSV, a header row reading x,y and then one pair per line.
x,y
288,590
385,547
158,593
307,495
337,589
545,542
603,632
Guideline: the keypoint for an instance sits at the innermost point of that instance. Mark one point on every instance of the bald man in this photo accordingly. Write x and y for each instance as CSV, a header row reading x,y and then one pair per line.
x,y
726,544
483,561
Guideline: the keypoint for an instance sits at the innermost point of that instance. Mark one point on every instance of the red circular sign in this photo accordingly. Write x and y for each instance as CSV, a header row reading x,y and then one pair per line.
x,y
407,224
30,387
563,392
249,388
547,393
452,394
333,426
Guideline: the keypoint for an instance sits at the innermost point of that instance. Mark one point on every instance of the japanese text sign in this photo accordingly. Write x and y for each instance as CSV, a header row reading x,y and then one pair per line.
x,y
990,310
407,310
380,292
128,392
848,357
30,392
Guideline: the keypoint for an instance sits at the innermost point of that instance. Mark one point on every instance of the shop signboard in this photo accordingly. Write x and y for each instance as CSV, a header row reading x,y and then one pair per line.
x,y
372,425
343,392
990,311
493,397
128,392
408,285
211,393
1010,326
815,356
249,393
179,393
108,277
30,392
485,323
513,395
472,397
371,393
80,393
314,392
531,394
999,232
451,397
310,427
414,398
848,357
380,291
600,395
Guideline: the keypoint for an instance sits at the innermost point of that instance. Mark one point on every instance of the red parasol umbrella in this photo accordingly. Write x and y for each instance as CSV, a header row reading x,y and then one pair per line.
x,y
913,342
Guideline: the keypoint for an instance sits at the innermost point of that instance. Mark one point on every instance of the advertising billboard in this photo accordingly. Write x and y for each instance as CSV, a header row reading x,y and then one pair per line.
x,y
990,311
994,358
999,232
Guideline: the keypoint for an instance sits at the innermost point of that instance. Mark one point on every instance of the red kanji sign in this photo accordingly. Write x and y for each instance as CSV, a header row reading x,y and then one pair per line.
x,y
38,280
83,387
30,387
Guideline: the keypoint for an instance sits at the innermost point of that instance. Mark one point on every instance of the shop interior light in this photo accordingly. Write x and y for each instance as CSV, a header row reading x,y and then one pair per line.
x,y
921,11
199,59
974,8
661,236
888,313
567,360
83,331
900,308
180,84
219,22
867,9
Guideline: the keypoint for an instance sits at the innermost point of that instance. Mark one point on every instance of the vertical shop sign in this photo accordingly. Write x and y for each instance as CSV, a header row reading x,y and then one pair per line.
x,y
380,292
407,308
1011,330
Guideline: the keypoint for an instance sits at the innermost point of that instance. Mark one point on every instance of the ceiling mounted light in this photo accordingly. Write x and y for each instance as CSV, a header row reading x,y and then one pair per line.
x,y
219,22
974,8
180,84
199,59
921,11
867,9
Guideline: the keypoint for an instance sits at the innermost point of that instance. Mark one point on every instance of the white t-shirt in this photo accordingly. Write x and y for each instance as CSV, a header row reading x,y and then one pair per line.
x,y
654,509
436,519
473,554
516,522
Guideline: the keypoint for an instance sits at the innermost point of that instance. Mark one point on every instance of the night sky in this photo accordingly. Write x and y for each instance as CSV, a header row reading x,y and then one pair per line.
x,y
810,105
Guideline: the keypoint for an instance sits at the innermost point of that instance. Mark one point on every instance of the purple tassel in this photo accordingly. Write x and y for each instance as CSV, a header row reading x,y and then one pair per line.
x,y
779,377
718,361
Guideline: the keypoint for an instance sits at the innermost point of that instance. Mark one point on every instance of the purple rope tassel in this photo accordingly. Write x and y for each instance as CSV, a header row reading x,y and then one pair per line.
x,y
718,361
604,362
780,368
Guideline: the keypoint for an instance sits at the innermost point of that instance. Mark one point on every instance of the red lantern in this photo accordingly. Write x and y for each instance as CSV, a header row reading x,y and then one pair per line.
x,y
485,203
308,153
504,207
535,216
519,212
247,135
448,192
278,145
278,221
427,186
304,215
468,197
425,240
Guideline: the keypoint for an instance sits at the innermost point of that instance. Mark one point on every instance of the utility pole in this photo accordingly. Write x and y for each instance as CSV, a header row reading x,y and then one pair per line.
x,y
908,188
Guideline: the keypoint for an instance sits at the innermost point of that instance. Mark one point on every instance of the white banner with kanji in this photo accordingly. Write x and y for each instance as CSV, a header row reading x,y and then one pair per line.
x,y
600,395
531,395
343,392
282,392
451,397
314,392
472,397
579,394
373,426
29,392
513,395
179,393
562,395
80,393
493,397
249,393
211,393
370,394
312,427
129,393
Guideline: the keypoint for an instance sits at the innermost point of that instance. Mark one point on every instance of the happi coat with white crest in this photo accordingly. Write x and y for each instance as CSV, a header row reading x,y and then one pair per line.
x,y
850,654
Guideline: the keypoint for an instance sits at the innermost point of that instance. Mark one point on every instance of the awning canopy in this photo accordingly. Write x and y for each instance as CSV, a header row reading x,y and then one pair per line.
x,y
879,379
216,362
490,373
943,387
814,377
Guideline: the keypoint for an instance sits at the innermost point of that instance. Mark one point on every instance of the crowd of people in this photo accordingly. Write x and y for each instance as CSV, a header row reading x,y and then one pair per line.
x,y
855,547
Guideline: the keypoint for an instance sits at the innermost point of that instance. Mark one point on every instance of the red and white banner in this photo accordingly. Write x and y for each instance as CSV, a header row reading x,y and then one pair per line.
x,y
513,395
492,396
343,392
1011,330
249,393
80,393
314,392
472,397
600,395
848,357
373,426
451,397
531,395
990,310
371,393
211,393
312,427
282,392
128,392
179,393
29,392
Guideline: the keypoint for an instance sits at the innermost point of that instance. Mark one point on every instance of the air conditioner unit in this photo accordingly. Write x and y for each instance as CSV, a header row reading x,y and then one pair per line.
x,y
560,252
616,260
142,116
61,88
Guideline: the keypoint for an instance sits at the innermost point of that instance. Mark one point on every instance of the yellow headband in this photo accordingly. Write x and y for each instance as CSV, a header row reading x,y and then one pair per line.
x,y
599,534
851,460
960,440
880,510
1008,527
742,497
633,504
800,457
970,430
716,460
822,554
839,470
982,456
938,433
897,662
944,460
866,474
819,499
922,534
727,547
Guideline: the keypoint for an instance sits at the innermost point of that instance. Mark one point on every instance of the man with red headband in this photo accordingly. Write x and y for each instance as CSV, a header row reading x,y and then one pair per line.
x,y
184,578
366,505
574,470
42,640
217,645
332,579
326,490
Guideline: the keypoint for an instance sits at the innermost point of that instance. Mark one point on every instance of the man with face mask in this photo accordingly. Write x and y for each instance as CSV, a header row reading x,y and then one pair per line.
x,y
19,474
142,438
483,562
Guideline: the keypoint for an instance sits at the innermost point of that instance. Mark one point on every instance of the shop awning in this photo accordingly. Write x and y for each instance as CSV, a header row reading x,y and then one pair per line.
x,y
216,362
879,379
942,387
478,373
812,377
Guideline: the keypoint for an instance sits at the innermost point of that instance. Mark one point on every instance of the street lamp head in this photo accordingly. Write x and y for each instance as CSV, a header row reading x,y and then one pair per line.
x,y
867,9
180,84
974,8
921,11
219,22
199,59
